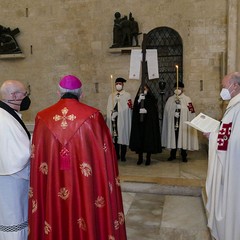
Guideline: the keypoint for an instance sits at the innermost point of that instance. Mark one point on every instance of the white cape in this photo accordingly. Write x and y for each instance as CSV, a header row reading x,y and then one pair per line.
x,y
124,120
187,138
222,185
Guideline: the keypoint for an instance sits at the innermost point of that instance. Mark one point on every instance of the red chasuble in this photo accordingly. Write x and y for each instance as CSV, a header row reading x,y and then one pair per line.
x,y
74,187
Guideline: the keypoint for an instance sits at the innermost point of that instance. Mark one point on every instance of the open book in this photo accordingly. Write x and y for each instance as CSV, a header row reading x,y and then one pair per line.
x,y
204,123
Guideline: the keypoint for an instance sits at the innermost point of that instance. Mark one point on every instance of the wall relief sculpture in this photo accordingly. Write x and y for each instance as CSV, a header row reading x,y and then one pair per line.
x,y
8,43
125,31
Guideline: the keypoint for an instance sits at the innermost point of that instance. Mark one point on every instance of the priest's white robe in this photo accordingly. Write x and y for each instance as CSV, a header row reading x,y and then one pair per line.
x,y
124,119
223,177
187,136
14,178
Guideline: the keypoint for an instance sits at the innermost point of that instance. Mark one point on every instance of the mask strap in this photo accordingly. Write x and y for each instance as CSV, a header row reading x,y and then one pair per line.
x,y
10,101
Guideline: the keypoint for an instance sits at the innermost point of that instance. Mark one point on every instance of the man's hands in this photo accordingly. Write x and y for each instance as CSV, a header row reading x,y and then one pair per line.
x,y
141,97
143,110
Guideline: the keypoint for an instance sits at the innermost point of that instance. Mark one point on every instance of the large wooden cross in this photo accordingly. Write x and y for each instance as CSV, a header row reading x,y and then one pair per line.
x,y
144,70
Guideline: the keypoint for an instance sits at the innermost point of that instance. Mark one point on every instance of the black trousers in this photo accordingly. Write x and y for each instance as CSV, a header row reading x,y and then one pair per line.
x,y
121,150
183,153
174,151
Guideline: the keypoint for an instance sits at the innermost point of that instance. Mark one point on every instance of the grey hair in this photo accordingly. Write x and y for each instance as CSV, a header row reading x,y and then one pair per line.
x,y
235,77
77,92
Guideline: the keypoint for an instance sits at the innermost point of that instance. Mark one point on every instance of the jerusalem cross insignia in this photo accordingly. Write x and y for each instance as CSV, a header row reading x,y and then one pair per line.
x,y
223,136
129,103
64,118
191,108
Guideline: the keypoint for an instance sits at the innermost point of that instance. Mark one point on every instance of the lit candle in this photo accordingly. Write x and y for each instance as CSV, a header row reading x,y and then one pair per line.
x,y
177,75
111,79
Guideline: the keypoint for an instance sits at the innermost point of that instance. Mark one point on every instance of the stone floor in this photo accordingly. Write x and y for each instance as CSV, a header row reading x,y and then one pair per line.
x,y
165,201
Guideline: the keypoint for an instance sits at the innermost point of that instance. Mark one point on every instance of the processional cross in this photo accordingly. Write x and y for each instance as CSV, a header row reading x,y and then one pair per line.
x,y
144,70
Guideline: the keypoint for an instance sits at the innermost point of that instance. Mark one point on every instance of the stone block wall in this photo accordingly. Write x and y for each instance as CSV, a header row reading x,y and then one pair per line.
x,y
61,37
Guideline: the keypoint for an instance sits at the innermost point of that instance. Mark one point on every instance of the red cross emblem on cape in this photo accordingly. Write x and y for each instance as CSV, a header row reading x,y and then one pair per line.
x,y
223,136
191,108
66,118
129,103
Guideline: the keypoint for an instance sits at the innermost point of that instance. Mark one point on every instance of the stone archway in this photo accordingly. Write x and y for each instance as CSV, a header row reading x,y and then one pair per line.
x,y
170,53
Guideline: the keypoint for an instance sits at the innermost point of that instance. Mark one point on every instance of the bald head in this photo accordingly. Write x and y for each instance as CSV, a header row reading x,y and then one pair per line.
x,y
11,86
11,92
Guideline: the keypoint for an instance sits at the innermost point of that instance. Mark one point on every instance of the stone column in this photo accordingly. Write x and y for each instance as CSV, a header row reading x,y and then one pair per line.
x,y
232,36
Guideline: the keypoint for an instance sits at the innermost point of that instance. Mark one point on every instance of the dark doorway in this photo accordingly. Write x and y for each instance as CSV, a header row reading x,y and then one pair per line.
x,y
170,53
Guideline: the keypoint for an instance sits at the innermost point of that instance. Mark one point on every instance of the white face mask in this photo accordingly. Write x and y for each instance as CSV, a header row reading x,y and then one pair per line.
x,y
177,91
119,87
225,94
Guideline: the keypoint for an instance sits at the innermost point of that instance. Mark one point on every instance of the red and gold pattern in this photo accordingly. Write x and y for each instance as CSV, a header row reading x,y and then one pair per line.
x,y
82,201
47,228
64,118
100,202
34,206
82,224
44,168
86,169
63,193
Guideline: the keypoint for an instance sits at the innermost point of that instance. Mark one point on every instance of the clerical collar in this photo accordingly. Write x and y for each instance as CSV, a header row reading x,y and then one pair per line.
x,y
69,95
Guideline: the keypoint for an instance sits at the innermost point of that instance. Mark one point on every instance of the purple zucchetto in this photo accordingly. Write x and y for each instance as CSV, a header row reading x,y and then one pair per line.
x,y
70,82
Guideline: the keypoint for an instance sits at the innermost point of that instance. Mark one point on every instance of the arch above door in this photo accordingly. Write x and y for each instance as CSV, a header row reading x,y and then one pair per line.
x,y
169,47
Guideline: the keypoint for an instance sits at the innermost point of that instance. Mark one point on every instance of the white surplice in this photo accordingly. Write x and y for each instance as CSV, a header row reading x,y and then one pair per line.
x,y
14,178
223,177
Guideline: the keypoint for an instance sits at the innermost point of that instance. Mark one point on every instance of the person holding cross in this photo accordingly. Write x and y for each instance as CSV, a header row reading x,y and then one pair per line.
x,y
145,133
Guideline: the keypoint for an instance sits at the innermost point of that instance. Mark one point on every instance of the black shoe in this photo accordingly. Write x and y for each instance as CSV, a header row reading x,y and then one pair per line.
x,y
171,158
184,159
148,161
139,162
123,159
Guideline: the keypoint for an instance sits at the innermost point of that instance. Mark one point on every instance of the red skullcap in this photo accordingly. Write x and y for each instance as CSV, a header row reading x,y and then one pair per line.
x,y
70,82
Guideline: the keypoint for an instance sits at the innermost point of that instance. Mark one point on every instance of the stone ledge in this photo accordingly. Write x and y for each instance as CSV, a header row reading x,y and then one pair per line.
x,y
184,182
10,56
123,49
160,189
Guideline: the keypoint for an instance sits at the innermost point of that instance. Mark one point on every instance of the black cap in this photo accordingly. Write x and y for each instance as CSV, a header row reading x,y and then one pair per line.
x,y
180,84
120,80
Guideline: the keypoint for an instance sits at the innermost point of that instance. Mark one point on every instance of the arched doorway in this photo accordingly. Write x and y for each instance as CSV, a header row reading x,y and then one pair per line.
x,y
170,53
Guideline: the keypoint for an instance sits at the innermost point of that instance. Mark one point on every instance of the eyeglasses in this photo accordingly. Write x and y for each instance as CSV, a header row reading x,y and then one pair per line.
x,y
27,93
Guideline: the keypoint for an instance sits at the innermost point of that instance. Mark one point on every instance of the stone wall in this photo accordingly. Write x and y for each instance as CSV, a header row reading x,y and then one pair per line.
x,y
61,37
